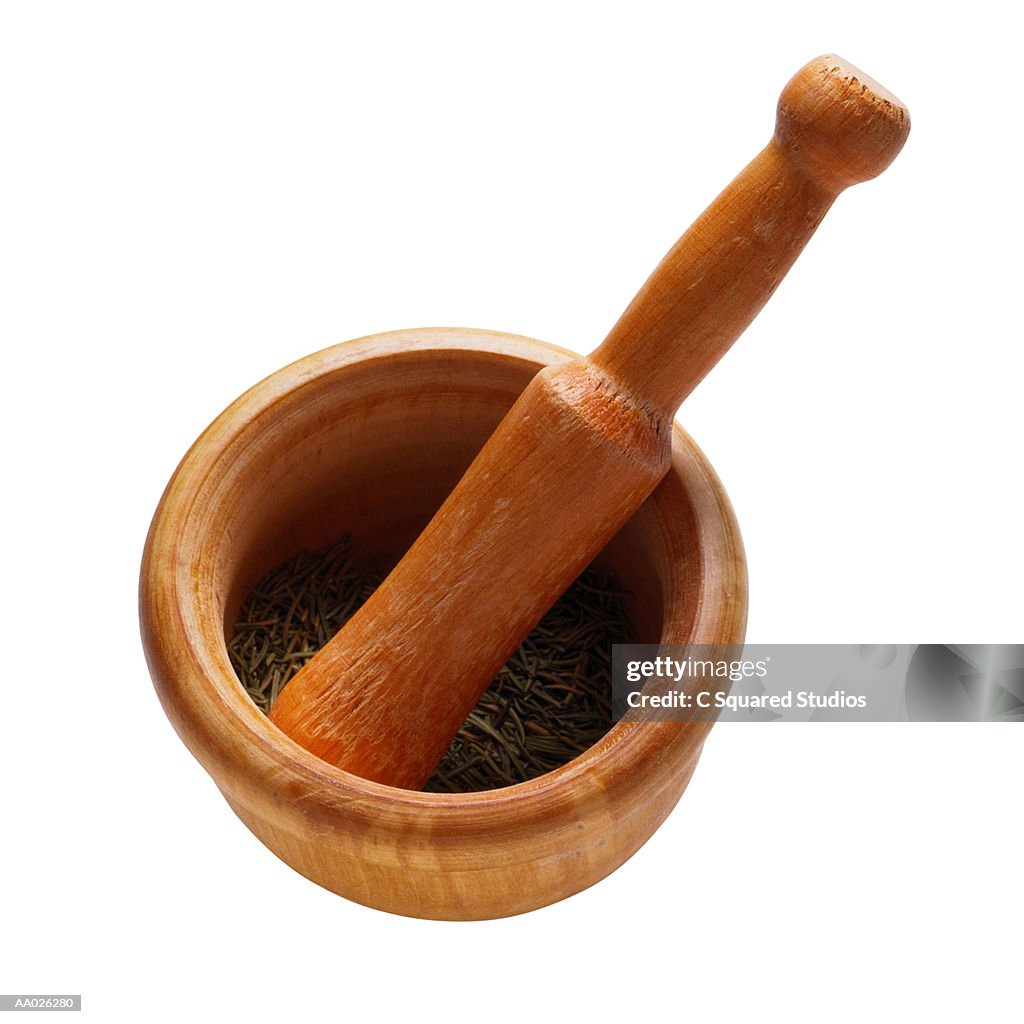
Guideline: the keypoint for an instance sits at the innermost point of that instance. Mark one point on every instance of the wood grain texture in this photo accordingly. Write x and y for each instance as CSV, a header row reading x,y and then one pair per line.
x,y
458,604
579,452
369,436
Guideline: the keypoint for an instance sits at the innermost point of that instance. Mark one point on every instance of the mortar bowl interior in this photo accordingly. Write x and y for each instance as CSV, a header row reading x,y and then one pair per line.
x,y
366,439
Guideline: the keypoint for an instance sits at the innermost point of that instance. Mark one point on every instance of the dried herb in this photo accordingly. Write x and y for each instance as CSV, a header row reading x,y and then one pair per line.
x,y
549,703
291,613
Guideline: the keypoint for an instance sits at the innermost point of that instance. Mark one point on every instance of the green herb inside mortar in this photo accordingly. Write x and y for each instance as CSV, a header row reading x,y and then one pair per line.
x,y
550,702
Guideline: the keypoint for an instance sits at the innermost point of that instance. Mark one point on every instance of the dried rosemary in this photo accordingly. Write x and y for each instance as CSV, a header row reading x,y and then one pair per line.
x,y
550,701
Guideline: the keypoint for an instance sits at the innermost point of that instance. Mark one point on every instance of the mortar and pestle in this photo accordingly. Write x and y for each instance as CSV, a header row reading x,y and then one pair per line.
x,y
433,448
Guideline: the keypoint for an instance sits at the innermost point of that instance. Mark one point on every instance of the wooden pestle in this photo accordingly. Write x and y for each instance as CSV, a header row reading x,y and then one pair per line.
x,y
579,451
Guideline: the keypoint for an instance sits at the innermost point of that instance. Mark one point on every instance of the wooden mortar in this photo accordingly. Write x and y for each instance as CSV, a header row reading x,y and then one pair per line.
x,y
369,437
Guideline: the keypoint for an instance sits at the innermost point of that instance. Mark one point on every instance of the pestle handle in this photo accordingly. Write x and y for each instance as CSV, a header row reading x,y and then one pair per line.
x,y
579,451
834,127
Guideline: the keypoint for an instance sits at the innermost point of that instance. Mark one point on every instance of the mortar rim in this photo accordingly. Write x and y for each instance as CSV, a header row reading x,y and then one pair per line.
x,y
253,735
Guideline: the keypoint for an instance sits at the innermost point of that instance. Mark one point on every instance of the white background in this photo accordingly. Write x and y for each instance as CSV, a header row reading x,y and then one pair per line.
x,y
195,194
